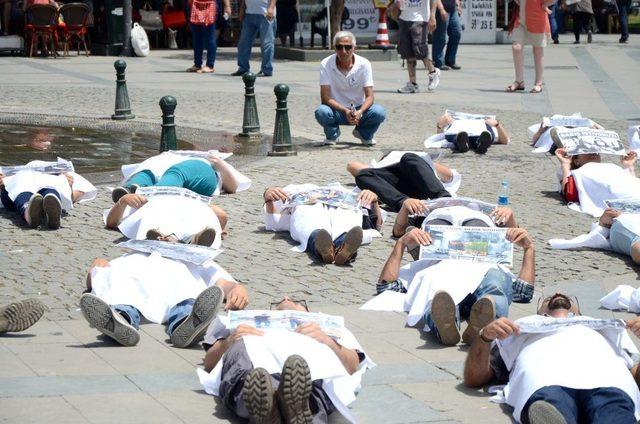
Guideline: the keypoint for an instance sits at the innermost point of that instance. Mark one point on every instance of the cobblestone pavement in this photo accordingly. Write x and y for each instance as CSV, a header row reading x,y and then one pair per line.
x,y
69,372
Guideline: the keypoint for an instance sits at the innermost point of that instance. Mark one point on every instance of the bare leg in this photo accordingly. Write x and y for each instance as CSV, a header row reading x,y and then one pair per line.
x,y
518,61
538,55
411,67
354,167
428,64
635,253
443,172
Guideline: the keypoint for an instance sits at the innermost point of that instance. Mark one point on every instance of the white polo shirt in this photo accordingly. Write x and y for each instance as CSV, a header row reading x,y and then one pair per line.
x,y
414,10
347,89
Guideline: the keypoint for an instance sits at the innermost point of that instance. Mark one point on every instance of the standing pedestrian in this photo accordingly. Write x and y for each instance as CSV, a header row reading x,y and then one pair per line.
x,y
554,24
415,22
624,7
529,25
202,20
257,16
447,24
582,15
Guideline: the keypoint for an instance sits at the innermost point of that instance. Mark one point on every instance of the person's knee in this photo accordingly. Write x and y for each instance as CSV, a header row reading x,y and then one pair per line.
x,y
409,159
324,114
516,47
379,114
354,167
362,177
221,215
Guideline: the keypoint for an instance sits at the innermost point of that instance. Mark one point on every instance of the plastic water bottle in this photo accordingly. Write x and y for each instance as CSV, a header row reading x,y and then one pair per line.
x,y
503,194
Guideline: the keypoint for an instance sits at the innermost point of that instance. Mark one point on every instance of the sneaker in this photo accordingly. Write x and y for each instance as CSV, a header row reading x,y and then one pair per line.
x,y
34,211
133,188
556,41
352,242
52,210
482,313
357,135
484,141
623,40
238,73
444,67
259,397
576,42
117,193
328,142
294,391
18,316
107,321
443,314
409,88
542,412
324,246
204,237
462,142
589,37
204,310
262,74
454,67
434,79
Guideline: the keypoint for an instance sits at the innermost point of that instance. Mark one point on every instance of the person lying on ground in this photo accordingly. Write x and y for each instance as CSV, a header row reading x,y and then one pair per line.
x,y
544,138
206,176
451,290
328,233
272,381
410,177
173,218
465,134
182,295
39,198
548,363
20,315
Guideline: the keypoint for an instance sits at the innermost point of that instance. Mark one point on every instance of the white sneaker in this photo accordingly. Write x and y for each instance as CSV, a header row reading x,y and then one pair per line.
x,y
328,142
357,135
409,88
434,79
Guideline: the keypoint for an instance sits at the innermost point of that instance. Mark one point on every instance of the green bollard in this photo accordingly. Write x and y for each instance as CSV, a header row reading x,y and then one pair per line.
x,y
168,139
123,106
282,145
250,122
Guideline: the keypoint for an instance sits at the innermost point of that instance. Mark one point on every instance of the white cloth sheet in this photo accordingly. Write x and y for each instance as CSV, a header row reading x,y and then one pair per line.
x,y
153,284
633,136
597,238
473,127
544,142
623,297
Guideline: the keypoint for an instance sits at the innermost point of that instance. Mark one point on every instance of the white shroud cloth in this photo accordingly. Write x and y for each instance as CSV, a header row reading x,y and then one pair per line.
x,y
153,284
623,297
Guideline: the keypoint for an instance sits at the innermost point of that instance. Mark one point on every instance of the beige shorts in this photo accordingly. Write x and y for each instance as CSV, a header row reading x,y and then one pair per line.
x,y
520,35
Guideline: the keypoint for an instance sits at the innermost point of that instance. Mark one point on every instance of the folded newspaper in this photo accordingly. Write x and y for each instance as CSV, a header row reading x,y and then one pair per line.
x,y
479,244
578,141
566,121
153,191
58,167
194,254
447,202
201,154
462,115
554,324
286,320
334,196
624,205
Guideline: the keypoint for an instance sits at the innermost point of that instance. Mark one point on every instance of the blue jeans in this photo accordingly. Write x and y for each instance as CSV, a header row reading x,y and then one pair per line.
x,y
331,119
252,24
496,284
601,405
623,14
177,314
449,27
553,22
311,245
622,239
20,204
201,35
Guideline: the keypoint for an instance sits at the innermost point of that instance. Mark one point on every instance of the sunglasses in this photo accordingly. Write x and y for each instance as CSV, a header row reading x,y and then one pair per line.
x,y
345,47
300,302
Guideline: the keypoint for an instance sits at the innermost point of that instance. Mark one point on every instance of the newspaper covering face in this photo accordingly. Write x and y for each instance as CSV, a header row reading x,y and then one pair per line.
x,y
194,254
153,191
553,324
462,115
566,121
286,320
59,167
336,196
447,202
471,243
202,154
624,205
578,141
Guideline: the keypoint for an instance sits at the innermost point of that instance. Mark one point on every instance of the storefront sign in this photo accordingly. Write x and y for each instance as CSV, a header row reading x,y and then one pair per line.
x,y
479,21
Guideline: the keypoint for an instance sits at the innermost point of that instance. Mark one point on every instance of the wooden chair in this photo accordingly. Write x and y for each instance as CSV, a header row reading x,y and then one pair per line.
x,y
41,22
75,16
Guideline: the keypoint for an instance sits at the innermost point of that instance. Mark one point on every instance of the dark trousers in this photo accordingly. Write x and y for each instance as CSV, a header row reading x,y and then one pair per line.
x,y
603,405
581,20
235,367
623,14
20,203
411,177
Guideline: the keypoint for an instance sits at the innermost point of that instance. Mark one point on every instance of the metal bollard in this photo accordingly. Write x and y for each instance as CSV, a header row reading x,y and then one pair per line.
x,y
250,122
282,145
123,106
168,139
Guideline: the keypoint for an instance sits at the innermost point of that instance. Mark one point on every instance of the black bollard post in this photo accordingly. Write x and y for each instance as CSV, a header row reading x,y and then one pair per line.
x,y
123,106
250,122
168,140
282,145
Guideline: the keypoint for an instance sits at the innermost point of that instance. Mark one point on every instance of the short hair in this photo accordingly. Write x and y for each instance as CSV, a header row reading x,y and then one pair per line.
x,y
344,34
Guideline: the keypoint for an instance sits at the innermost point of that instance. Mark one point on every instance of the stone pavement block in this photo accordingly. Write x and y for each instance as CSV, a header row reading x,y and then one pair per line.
x,y
125,408
195,407
30,410
12,366
411,372
384,404
43,332
383,351
65,385
455,401
156,382
453,367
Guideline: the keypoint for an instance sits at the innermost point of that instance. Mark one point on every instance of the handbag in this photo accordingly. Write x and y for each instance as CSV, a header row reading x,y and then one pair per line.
x,y
174,19
150,19
203,12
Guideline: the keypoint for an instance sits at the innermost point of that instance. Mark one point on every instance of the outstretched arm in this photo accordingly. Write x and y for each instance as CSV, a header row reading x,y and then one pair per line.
x,y
348,357
520,237
410,240
229,183
503,135
114,217
215,352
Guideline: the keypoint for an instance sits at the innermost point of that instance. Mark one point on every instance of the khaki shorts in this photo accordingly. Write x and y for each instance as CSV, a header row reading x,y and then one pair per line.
x,y
412,40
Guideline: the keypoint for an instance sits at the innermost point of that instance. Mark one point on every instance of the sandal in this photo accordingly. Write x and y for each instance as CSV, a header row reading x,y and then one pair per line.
x,y
515,86
536,89
194,68
205,70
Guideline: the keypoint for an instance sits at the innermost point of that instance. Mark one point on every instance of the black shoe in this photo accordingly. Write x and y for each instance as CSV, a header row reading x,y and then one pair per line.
x,y
484,141
444,67
133,188
262,74
294,391
443,314
239,73
454,66
35,211
205,237
623,40
556,41
117,193
352,242
576,42
52,211
462,142
324,246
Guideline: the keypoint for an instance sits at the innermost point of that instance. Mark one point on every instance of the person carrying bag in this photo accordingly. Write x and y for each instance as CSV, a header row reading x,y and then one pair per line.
x,y
203,31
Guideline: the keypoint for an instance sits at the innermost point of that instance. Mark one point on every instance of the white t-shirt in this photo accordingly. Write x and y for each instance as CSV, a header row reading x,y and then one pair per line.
x,y
347,89
258,7
414,10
